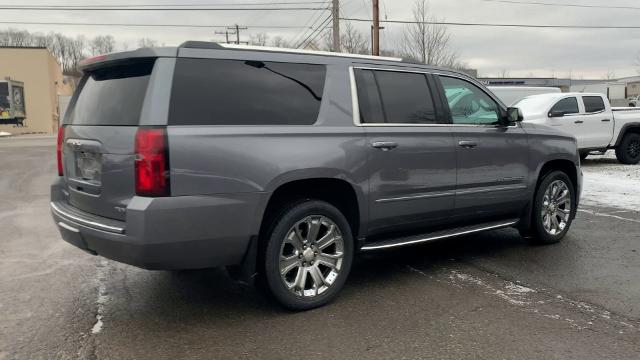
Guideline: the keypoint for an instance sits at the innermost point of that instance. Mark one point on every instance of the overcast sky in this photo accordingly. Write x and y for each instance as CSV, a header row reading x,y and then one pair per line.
x,y
522,52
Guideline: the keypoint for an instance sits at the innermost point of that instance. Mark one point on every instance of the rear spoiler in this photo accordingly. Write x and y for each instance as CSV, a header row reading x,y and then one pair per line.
x,y
95,62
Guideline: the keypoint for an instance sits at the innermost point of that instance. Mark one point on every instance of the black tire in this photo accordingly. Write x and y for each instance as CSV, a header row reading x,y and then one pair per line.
x,y
632,105
628,151
537,234
280,228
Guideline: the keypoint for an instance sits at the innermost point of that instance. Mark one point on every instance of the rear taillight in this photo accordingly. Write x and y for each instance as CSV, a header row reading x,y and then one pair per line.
x,y
152,162
59,150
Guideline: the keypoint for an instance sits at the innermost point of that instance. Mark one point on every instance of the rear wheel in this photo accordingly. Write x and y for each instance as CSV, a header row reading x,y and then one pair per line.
x,y
628,151
308,255
553,210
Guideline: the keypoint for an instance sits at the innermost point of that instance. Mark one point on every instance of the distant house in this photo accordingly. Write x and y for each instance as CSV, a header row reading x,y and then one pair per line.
x,y
43,83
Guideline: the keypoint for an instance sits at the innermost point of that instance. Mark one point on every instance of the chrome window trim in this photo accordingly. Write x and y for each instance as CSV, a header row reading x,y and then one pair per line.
x,y
356,105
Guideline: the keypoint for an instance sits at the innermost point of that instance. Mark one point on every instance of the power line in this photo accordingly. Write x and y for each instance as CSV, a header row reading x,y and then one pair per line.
x,y
313,34
319,33
540,3
94,8
172,5
498,25
150,25
312,26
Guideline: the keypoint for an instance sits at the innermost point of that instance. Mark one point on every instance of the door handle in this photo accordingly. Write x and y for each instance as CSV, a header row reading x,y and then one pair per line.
x,y
578,122
605,120
385,145
467,144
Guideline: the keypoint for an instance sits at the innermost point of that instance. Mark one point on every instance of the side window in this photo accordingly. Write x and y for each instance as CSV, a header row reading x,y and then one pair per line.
x,y
468,103
567,106
236,92
395,97
593,104
368,98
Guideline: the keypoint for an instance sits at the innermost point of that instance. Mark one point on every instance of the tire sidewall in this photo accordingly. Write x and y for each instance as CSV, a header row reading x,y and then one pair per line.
x,y
542,235
275,237
621,152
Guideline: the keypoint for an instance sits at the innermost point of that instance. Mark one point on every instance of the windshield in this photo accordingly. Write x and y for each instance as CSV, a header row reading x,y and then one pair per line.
x,y
533,104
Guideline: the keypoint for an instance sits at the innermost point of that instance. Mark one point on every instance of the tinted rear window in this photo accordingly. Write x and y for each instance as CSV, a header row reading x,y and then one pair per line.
x,y
593,104
395,97
236,92
112,95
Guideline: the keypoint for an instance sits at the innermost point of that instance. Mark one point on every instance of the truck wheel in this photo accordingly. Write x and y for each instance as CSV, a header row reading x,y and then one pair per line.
x,y
308,255
553,209
628,151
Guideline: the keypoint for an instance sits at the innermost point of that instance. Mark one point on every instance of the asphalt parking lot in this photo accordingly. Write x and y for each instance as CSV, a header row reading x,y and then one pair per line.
x,y
487,296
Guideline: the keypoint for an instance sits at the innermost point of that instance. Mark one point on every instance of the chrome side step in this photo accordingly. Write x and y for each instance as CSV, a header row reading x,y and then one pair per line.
x,y
410,240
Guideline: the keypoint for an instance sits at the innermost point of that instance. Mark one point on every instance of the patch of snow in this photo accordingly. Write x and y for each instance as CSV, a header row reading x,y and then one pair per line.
x,y
102,296
609,183
4,134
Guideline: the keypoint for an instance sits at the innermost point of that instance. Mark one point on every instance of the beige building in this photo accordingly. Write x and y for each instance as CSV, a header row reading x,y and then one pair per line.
x,y
43,83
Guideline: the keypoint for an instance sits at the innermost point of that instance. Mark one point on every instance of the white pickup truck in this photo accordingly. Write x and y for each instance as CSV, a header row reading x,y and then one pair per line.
x,y
591,119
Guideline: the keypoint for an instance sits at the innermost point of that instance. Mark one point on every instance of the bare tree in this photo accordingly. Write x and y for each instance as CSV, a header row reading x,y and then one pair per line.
x,y
146,43
610,75
353,41
504,73
102,44
260,39
280,42
426,41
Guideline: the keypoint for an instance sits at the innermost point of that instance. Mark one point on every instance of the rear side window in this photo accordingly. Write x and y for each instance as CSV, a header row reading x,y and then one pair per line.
x,y
112,96
593,104
395,97
235,92
567,106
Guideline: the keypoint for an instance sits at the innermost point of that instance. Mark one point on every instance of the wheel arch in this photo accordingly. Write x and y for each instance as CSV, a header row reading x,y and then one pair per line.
x,y
565,165
627,128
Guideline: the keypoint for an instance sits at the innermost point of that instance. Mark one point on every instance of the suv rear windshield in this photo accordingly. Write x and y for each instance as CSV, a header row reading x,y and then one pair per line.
x,y
112,95
236,92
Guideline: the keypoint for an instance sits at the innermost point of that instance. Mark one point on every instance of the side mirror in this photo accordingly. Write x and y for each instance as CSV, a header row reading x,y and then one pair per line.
x,y
514,115
556,113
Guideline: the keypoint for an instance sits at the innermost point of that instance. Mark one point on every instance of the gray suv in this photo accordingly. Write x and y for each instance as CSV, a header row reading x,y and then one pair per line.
x,y
283,165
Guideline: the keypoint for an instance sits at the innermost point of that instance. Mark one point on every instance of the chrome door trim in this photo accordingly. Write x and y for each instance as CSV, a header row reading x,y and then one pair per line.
x,y
416,197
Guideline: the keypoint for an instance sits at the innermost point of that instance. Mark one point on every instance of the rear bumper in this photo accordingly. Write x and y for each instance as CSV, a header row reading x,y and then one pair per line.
x,y
189,232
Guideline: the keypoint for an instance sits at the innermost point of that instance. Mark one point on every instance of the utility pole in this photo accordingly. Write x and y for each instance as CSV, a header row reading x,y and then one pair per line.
x,y
375,46
335,13
237,32
225,33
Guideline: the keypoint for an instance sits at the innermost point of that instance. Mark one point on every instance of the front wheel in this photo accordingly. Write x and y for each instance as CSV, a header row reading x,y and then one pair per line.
x,y
308,255
628,151
554,208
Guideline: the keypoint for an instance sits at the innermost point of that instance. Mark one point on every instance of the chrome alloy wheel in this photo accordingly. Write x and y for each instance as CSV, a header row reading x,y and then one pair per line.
x,y
311,256
556,207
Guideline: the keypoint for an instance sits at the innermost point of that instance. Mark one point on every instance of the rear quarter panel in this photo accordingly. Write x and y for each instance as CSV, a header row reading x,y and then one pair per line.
x,y
208,160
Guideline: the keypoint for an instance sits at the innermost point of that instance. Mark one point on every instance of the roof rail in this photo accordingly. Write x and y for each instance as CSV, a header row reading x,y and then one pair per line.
x,y
201,45
217,46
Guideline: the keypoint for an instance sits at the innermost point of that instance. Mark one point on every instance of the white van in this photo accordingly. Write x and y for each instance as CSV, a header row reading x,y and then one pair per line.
x,y
510,94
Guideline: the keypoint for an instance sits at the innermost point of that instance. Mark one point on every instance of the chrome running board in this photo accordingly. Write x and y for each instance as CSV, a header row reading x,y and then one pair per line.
x,y
417,239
